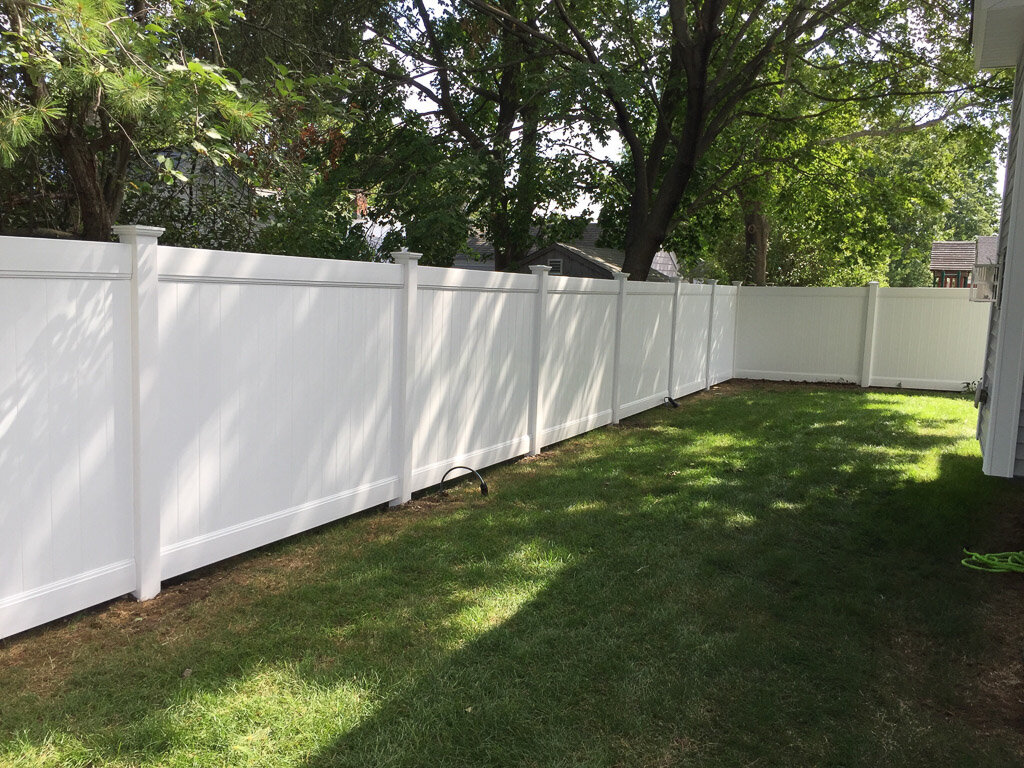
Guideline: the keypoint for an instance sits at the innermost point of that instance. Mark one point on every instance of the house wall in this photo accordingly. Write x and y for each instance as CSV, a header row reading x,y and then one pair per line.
x,y
572,264
1000,415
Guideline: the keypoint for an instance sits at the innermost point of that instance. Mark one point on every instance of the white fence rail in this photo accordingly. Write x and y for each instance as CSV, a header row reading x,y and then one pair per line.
x,y
162,408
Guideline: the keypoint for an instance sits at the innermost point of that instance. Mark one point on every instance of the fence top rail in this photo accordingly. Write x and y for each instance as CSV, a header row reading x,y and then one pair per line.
x,y
446,278
51,258
808,292
650,289
592,285
949,294
207,266
695,289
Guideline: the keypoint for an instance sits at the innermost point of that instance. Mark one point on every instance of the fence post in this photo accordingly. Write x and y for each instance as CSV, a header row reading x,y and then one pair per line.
x,y
711,335
735,328
540,338
870,325
145,405
620,311
673,340
402,385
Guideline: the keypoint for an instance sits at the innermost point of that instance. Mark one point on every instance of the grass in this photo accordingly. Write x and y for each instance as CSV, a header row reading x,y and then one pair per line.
x,y
767,576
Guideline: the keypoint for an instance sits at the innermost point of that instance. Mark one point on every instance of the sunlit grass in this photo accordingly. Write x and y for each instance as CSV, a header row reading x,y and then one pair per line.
x,y
732,583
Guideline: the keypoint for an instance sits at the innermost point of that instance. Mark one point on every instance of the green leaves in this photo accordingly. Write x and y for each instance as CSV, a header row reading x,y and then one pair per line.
x,y
23,125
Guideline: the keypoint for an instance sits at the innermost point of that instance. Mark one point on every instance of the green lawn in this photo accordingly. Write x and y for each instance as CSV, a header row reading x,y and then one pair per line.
x,y
767,576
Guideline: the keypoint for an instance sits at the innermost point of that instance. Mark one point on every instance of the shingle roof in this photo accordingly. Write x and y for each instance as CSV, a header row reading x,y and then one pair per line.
x,y
585,246
988,249
477,244
953,254
663,267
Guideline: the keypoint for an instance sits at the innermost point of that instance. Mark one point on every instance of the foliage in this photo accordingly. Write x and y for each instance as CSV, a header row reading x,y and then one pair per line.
x,y
703,94
859,211
105,82
484,93
208,207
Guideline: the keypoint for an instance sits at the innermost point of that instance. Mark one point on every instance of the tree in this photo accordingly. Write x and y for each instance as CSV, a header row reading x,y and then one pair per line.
x,y
675,78
104,82
858,211
487,93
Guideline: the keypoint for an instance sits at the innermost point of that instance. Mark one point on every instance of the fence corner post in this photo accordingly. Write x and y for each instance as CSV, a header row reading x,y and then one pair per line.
x,y
145,319
620,313
402,383
535,420
673,336
870,326
711,335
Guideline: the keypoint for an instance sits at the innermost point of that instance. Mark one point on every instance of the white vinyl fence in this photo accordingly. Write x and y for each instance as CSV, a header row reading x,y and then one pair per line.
x,y
163,408
920,338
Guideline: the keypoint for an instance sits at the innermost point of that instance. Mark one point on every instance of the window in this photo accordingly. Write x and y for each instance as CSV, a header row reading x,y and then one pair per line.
x,y
556,266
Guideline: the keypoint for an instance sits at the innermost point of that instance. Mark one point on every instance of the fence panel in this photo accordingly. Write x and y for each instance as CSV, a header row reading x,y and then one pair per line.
x,y
691,338
800,334
723,334
65,428
928,338
275,395
646,334
576,364
472,370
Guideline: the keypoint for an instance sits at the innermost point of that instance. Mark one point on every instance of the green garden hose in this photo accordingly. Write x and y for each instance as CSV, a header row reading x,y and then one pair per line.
x,y
996,562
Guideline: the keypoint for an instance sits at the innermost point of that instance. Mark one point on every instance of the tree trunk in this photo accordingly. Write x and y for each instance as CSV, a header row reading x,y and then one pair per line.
x,y
755,234
83,169
640,251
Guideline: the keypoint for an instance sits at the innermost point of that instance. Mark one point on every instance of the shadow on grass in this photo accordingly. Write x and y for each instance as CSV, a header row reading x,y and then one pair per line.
x,y
762,576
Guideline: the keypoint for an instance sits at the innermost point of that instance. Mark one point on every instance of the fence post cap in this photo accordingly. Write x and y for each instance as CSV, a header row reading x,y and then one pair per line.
x,y
405,257
873,283
127,232
737,283
621,276
540,269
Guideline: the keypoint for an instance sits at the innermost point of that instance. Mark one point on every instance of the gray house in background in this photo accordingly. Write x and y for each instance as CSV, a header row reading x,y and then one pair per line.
x,y
479,255
578,258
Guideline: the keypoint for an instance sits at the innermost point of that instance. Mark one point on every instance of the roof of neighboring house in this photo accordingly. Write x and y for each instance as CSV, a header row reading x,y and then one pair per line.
x,y
988,249
663,267
953,254
477,244
481,254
